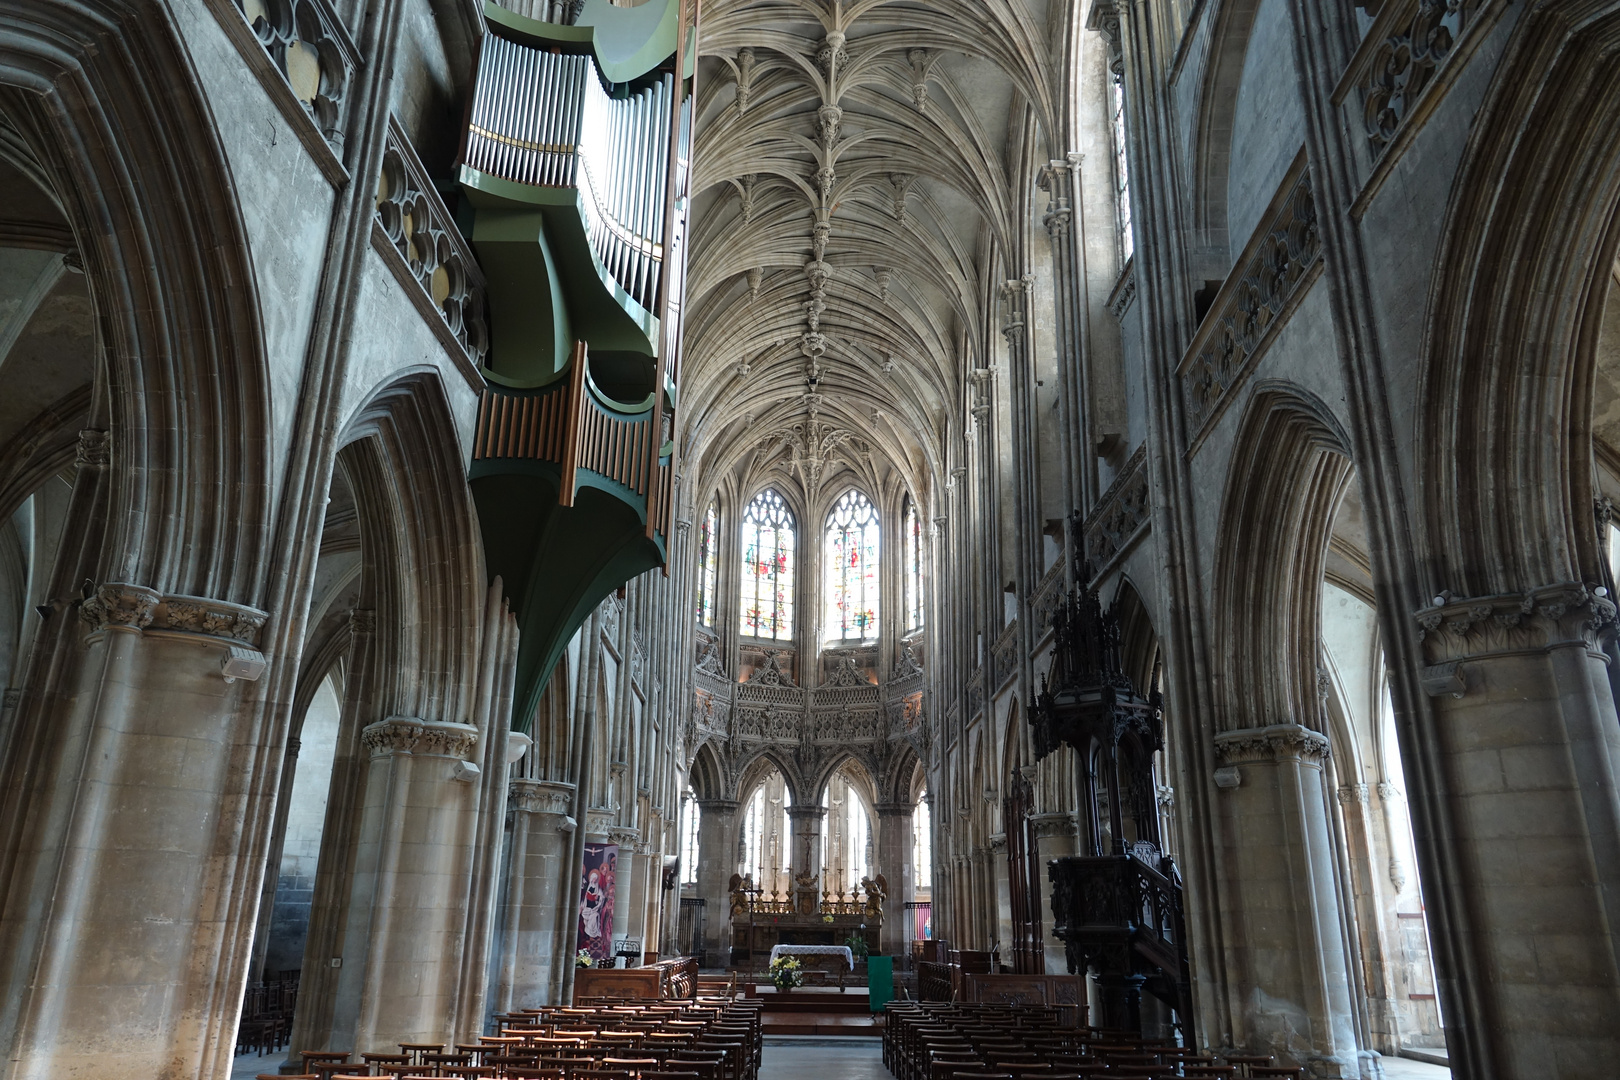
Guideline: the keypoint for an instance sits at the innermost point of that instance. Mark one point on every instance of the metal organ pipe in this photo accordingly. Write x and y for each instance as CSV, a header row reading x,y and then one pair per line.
x,y
545,119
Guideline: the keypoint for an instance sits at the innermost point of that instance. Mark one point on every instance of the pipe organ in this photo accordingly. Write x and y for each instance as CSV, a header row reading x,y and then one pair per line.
x,y
573,173
546,119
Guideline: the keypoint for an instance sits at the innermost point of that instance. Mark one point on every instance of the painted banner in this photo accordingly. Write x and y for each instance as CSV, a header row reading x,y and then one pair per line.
x,y
596,901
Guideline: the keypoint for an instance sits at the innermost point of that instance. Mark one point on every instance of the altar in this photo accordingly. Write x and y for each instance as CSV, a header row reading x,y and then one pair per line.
x,y
762,922
814,950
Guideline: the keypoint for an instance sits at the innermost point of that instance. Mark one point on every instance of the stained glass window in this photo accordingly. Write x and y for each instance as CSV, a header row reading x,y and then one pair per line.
x,y
708,564
912,522
767,565
689,838
851,556
1122,176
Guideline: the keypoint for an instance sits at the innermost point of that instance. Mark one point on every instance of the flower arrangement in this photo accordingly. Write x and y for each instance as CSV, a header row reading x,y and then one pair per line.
x,y
786,973
856,943
582,959
826,918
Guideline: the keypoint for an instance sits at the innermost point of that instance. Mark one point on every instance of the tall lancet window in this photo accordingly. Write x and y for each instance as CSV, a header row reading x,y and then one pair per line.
x,y
912,522
851,555
767,565
708,564
1122,175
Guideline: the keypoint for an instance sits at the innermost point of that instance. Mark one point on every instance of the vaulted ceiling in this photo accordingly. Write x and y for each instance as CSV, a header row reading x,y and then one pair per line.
x,y
862,175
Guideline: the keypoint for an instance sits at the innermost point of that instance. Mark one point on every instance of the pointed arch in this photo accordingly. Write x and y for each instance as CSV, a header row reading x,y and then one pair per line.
x,y
1505,420
707,777
422,565
102,100
1290,468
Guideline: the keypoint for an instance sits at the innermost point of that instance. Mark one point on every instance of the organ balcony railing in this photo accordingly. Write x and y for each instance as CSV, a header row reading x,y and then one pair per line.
x,y
573,173
590,437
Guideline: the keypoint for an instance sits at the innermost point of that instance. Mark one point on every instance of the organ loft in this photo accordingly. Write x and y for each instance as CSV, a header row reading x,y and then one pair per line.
x,y
771,539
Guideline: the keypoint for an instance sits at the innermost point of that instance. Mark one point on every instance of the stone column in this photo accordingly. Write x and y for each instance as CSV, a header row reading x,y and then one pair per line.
x,y
407,907
1527,753
808,823
894,863
536,944
999,874
1286,944
118,862
1059,179
629,902
1057,836
717,861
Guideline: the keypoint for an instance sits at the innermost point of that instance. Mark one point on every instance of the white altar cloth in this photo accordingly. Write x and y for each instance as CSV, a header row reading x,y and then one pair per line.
x,y
814,950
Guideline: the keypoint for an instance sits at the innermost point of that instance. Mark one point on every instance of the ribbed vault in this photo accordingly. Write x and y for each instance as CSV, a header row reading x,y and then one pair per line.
x,y
860,193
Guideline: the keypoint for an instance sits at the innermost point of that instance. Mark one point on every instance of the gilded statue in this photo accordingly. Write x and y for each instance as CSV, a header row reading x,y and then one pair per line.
x,y
877,890
742,887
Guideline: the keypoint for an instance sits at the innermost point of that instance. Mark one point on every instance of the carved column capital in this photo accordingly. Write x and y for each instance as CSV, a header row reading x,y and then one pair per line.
x,y
408,735
624,836
541,796
1354,793
1062,823
122,606
717,806
118,606
1275,743
1455,629
395,735
893,809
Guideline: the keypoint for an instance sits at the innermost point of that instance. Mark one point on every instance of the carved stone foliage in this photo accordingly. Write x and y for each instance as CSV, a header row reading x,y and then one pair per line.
x,y
1409,44
542,796
1121,514
408,735
1475,628
1274,743
132,607
442,272
1250,305
306,42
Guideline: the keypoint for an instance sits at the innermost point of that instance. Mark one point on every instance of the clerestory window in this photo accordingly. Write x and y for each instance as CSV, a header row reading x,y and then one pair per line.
x,y
768,557
851,558
708,564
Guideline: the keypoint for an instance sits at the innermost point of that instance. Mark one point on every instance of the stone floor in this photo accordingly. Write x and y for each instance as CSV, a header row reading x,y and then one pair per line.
x,y
247,1066
846,1058
862,1059
843,1058
1399,1068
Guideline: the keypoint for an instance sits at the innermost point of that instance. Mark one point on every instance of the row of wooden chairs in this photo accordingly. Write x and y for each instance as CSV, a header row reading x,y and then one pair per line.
x,y
718,1039
929,1041
267,1012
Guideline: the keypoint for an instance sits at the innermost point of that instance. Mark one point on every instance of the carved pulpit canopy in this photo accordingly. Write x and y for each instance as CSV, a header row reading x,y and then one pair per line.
x,y
1087,695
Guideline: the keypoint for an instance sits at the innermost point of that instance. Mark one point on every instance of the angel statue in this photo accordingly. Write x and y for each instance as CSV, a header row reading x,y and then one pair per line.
x,y
876,890
741,888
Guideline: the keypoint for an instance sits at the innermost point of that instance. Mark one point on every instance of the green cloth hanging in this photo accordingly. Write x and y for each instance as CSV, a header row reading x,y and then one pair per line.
x,y
880,981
